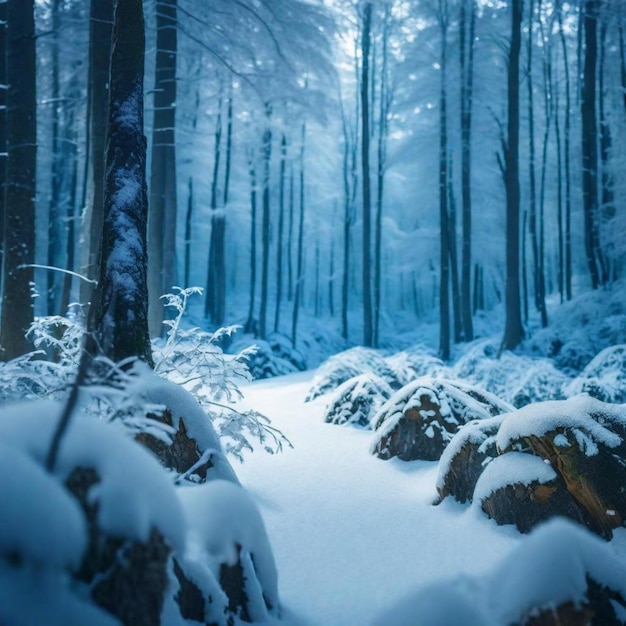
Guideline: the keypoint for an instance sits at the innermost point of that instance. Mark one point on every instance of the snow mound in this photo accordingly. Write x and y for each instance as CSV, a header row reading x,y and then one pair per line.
x,y
604,377
415,363
420,419
31,596
357,400
226,530
133,494
560,573
345,365
517,379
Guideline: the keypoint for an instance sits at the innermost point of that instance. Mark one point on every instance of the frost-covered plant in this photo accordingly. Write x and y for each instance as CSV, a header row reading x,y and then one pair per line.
x,y
195,360
191,358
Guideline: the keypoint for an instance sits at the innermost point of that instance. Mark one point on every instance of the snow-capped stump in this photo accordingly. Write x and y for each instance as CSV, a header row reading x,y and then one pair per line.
x,y
561,574
348,364
465,458
357,400
228,544
604,378
134,519
522,489
583,439
189,444
420,419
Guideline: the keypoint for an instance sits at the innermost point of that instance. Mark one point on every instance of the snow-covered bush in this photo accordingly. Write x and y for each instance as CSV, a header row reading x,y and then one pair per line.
x,y
517,379
583,327
99,539
420,419
191,358
559,574
261,360
348,364
414,363
604,378
357,400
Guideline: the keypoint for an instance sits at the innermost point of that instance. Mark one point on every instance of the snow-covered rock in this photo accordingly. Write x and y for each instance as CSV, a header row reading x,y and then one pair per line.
x,y
357,400
604,377
583,439
465,458
348,364
523,489
228,549
189,444
420,419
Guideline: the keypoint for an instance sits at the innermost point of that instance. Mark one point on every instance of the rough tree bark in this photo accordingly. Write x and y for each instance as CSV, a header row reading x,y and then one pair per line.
x,y
514,330
121,314
365,164
100,30
19,250
163,201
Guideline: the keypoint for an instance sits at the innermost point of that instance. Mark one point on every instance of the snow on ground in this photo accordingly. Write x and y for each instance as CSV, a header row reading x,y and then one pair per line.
x,y
353,534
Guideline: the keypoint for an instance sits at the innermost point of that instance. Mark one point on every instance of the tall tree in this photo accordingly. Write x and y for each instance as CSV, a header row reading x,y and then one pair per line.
x,y
163,202
589,140
265,225
100,32
368,334
281,226
467,94
444,228
514,330
19,226
121,314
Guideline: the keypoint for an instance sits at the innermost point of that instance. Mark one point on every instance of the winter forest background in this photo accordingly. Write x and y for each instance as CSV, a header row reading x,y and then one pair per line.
x,y
421,197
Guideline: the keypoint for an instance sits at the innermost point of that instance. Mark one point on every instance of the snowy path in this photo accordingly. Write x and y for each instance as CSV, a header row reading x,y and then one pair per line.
x,y
352,534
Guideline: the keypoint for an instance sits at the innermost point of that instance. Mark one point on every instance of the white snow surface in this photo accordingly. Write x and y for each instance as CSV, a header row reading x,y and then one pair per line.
x,y
352,534
549,568
509,469
134,493
573,415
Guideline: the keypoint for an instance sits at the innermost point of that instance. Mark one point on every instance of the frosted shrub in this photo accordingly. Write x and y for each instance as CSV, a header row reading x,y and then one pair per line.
x,y
191,358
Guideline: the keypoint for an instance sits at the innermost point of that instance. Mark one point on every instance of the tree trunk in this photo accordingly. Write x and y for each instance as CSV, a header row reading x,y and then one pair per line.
x,y
567,260
163,201
17,303
211,276
467,84
607,200
514,330
100,33
383,129
250,325
121,316
365,163
265,228
444,228
589,140
55,246
454,263
290,235
3,131
281,227
300,253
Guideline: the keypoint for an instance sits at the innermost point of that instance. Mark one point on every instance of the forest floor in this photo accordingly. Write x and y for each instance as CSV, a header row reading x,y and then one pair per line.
x,y
353,534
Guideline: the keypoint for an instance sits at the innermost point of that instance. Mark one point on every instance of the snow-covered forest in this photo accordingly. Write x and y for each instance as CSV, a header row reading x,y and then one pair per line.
x,y
313,312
